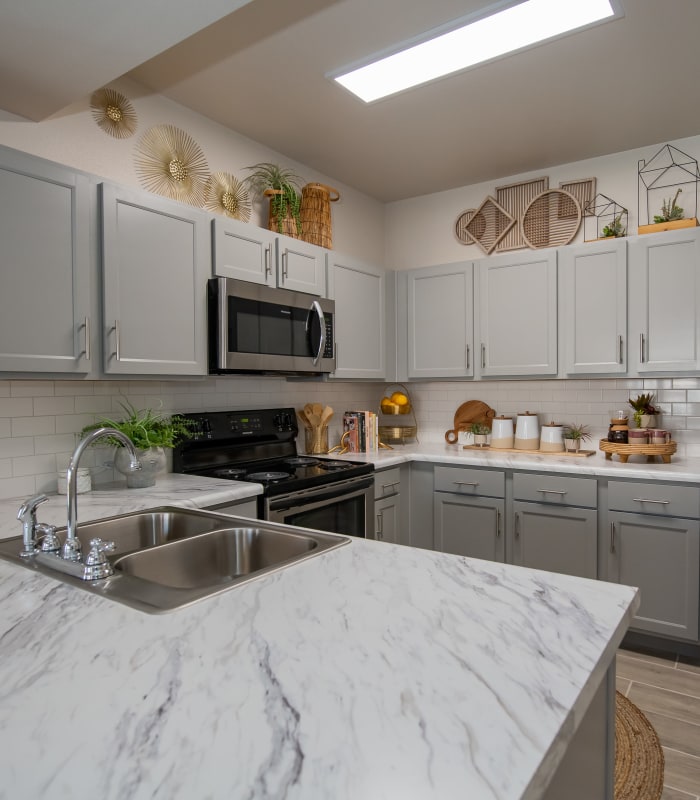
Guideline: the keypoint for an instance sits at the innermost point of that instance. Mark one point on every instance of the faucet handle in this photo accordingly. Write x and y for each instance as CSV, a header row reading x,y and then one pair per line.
x,y
96,565
50,543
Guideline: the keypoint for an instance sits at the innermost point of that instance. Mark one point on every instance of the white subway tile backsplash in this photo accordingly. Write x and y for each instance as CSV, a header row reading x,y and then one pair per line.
x,y
92,404
33,426
15,407
17,487
16,446
4,388
31,388
55,444
53,405
33,465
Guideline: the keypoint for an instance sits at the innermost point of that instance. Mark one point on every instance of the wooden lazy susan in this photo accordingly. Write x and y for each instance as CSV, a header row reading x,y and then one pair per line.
x,y
624,451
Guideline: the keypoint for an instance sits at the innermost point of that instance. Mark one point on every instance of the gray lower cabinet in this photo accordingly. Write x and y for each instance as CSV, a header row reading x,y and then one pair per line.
x,y
555,523
389,516
652,548
468,509
156,261
46,318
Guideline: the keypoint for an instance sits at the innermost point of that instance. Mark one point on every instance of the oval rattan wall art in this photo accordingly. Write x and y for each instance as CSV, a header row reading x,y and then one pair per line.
x,y
552,218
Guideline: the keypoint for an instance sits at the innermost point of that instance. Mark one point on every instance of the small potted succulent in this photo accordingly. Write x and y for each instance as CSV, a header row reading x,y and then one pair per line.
x,y
480,433
645,411
573,435
614,228
670,210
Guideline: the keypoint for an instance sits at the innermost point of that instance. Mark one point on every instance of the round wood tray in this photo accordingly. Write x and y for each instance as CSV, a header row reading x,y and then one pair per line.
x,y
624,451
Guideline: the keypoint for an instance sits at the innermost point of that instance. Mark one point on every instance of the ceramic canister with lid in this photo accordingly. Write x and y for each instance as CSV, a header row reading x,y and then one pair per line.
x,y
502,432
527,432
552,438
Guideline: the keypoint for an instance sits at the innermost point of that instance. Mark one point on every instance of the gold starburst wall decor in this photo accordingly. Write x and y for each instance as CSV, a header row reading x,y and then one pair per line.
x,y
113,113
169,162
227,195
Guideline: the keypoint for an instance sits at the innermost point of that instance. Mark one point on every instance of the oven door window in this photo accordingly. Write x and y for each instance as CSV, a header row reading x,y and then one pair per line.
x,y
343,514
266,328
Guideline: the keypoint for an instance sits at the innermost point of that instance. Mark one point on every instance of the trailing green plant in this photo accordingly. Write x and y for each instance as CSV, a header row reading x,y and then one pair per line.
x,y
145,427
643,404
479,429
670,210
579,433
615,228
284,187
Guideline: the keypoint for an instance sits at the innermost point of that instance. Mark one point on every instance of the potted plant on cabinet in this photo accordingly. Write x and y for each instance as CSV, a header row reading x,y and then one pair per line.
x,y
480,433
573,435
614,229
151,433
282,186
644,410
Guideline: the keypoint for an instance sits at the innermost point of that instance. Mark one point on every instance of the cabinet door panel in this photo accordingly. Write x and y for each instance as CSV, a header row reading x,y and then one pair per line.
x,y
46,267
594,279
156,262
469,526
440,322
386,519
661,557
358,292
302,266
556,539
244,251
664,275
518,314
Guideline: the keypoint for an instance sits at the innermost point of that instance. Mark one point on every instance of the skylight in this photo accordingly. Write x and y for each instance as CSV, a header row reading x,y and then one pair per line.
x,y
505,31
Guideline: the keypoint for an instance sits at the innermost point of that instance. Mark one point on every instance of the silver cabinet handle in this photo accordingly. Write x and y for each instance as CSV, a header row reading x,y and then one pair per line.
x,y
380,526
620,345
612,537
268,260
517,525
86,327
386,486
483,356
498,523
641,348
468,359
285,261
552,491
646,500
466,483
117,345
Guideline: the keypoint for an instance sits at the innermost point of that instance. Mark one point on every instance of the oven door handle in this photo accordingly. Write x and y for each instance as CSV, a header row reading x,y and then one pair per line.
x,y
316,310
289,501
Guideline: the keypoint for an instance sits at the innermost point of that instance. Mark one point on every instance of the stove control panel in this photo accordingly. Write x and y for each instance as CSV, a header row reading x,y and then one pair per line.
x,y
214,426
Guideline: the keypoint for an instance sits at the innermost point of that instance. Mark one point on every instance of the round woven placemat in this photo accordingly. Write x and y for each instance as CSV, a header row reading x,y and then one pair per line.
x,y
639,759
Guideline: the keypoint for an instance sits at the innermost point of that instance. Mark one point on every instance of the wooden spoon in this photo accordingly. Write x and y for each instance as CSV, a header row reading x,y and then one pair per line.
x,y
326,414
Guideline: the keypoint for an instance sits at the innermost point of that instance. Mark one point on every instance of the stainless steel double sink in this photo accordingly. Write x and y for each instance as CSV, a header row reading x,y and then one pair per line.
x,y
167,558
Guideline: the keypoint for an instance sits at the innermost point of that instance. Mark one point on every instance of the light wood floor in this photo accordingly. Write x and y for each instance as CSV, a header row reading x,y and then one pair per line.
x,y
668,692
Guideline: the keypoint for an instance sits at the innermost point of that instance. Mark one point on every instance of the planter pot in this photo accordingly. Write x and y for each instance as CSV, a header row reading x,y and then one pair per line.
x,y
647,421
572,445
287,225
480,439
672,225
152,462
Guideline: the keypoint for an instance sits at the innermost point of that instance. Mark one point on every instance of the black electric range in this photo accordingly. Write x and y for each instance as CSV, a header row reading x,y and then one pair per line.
x,y
260,446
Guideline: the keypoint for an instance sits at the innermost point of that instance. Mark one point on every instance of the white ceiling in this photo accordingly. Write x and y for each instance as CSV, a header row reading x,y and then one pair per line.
x,y
261,71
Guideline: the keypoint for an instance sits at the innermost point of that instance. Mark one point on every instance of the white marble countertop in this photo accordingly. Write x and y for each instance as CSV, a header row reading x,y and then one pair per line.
x,y
682,470
371,671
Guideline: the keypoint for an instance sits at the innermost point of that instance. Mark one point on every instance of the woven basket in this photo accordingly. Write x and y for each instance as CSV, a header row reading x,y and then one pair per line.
x,y
288,226
316,225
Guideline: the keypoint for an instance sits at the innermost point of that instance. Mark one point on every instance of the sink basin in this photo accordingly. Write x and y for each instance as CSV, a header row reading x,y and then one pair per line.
x,y
167,558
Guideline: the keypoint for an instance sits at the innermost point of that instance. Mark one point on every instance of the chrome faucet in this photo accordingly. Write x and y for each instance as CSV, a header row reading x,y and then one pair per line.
x,y
72,546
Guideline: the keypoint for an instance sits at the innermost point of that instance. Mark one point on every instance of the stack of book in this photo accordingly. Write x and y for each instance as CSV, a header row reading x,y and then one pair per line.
x,y
362,430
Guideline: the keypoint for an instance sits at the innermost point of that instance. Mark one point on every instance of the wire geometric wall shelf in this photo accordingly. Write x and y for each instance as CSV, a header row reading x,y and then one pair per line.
x,y
670,168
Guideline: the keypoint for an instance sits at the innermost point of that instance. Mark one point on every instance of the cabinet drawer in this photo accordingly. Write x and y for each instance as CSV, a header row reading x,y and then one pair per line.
x,y
654,498
387,482
560,490
463,480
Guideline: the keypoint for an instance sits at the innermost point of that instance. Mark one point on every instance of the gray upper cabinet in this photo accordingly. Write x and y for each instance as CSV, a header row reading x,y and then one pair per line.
x,y
258,255
665,301
156,260
441,321
594,321
360,340
518,314
46,319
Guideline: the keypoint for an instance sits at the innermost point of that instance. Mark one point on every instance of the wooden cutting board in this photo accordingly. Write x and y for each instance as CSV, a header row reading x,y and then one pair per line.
x,y
466,415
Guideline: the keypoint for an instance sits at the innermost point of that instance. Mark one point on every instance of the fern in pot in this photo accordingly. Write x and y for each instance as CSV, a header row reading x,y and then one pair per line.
x,y
282,186
152,433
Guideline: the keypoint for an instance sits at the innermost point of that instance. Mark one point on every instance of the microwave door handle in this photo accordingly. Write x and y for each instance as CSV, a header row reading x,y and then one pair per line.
x,y
222,327
316,309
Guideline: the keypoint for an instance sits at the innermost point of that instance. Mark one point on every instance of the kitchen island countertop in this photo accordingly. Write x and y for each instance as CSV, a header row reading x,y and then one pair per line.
x,y
371,671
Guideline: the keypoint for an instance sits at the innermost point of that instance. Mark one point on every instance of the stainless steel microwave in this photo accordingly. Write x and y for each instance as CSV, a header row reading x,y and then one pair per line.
x,y
259,329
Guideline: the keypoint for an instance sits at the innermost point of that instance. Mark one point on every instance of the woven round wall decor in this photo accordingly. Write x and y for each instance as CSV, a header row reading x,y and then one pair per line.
x,y
478,228
552,218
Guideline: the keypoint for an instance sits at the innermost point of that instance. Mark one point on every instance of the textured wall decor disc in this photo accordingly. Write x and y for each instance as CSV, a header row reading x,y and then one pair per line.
x,y
225,194
461,227
113,113
515,198
583,190
489,224
169,162
552,218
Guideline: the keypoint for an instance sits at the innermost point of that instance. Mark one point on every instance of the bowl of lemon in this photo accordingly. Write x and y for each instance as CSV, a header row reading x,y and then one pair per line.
x,y
396,403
